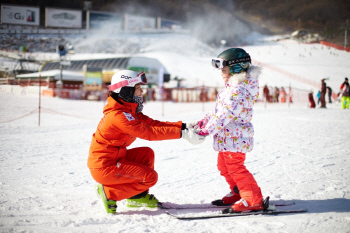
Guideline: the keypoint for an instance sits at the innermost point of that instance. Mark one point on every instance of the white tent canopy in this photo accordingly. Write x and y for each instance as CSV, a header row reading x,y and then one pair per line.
x,y
55,74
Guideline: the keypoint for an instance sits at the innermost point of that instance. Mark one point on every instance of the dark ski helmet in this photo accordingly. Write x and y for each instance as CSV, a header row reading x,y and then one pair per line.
x,y
237,59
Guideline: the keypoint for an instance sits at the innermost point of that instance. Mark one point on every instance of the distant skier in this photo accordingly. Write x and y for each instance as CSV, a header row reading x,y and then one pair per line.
x,y
266,94
318,97
311,100
329,93
129,173
283,95
323,93
230,124
345,93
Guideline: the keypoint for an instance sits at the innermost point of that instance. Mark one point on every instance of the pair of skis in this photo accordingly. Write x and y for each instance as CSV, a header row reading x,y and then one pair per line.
x,y
271,208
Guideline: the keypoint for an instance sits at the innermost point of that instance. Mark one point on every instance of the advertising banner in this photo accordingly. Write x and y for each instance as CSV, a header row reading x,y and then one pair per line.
x,y
98,20
13,14
140,22
63,18
93,78
171,24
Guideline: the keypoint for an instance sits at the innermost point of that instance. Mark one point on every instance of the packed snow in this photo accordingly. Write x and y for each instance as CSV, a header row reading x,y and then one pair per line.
x,y
300,154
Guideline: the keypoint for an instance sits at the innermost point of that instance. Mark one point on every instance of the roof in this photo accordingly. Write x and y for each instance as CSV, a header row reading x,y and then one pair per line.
x,y
66,75
77,65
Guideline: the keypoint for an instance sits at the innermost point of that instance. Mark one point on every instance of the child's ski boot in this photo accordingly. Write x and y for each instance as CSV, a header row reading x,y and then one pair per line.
x,y
229,199
109,205
242,205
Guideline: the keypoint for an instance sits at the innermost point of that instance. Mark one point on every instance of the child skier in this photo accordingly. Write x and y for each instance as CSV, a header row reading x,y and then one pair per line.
x,y
129,173
233,132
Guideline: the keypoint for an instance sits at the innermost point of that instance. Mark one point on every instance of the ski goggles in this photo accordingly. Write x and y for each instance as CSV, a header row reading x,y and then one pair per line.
x,y
140,78
219,63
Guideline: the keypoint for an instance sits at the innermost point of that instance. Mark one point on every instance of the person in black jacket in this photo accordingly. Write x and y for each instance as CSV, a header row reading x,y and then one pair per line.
x,y
329,92
323,93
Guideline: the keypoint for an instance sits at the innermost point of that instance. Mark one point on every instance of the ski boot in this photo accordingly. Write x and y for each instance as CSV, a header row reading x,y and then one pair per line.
x,y
109,205
143,200
242,205
229,199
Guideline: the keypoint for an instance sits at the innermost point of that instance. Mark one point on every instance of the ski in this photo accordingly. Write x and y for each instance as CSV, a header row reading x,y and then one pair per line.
x,y
221,215
210,206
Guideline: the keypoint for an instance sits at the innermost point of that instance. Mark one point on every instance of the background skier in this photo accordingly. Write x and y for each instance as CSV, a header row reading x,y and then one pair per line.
x,y
345,93
323,93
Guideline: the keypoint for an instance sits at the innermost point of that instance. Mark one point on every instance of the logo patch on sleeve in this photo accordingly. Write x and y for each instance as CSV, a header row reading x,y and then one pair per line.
x,y
129,116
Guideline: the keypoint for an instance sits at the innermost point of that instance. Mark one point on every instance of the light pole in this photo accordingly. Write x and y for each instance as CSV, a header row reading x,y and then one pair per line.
x,y
346,32
62,52
346,27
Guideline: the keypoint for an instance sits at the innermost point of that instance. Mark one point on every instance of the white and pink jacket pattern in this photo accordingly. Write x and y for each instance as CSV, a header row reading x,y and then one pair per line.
x,y
230,122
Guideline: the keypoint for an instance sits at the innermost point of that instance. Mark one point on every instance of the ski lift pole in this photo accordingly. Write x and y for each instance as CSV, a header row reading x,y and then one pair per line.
x,y
162,96
203,97
289,95
39,98
40,91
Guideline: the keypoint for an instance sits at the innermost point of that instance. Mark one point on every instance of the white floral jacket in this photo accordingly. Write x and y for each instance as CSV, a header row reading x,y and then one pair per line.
x,y
230,122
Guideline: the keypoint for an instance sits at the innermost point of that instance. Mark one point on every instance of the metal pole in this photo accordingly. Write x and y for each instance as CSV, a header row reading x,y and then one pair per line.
x,y
346,32
345,42
203,97
162,105
39,96
289,94
61,68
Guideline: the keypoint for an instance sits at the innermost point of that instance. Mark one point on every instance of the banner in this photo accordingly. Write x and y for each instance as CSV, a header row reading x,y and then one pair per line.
x,y
139,22
98,20
12,14
171,24
63,18
93,78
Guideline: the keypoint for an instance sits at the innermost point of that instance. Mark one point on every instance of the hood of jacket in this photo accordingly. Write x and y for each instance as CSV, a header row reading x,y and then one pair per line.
x,y
248,80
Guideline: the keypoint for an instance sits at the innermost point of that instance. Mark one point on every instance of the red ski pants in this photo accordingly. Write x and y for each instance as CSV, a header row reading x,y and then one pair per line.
x,y
231,166
130,176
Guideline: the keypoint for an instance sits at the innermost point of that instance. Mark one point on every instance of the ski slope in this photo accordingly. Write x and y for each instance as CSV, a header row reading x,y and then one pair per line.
x,y
300,155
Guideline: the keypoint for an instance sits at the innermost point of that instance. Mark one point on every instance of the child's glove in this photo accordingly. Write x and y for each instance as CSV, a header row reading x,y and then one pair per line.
x,y
192,137
203,132
202,123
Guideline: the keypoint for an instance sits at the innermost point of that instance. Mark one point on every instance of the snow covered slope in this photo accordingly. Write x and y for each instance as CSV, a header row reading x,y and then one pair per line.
x,y
300,155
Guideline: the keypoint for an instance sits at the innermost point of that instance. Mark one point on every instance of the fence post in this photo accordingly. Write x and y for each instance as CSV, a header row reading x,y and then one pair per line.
x,y
290,89
39,96
203,97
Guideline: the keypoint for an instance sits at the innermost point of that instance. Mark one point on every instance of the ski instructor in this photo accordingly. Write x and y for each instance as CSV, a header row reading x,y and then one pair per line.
x,y
129,173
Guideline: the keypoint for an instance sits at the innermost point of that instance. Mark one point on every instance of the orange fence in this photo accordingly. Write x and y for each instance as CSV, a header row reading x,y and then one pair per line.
x,y
294,76
335,46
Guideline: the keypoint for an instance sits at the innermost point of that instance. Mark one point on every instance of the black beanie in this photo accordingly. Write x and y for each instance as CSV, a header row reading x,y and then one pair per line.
x,y
127,94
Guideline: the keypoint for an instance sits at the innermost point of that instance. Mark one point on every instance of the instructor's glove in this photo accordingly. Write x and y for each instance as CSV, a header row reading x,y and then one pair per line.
x,y
192,137
191,124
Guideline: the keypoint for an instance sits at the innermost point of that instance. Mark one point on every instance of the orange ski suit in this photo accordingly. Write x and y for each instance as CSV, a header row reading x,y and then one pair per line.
x,y
126,172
